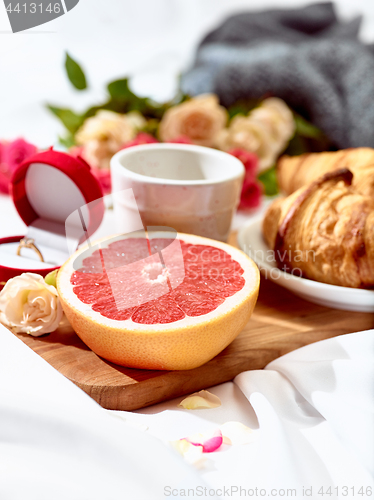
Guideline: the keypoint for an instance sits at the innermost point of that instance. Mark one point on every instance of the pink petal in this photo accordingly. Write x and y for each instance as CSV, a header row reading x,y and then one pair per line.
x,y
209,445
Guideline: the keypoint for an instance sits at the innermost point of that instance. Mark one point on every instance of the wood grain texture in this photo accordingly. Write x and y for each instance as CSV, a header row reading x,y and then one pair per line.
x,y
280,323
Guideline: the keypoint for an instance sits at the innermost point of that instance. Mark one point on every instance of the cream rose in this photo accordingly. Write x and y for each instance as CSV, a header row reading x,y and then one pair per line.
x,y
105,133
29,305
249,135
278,117
200,119
266,132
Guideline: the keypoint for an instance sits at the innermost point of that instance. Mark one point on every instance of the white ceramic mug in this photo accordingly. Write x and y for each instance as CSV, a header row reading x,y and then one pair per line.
x,y
191,189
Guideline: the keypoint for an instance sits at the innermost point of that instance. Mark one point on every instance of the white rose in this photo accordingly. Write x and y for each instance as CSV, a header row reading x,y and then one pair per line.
x,y
266,132
250,135
278,115
29,305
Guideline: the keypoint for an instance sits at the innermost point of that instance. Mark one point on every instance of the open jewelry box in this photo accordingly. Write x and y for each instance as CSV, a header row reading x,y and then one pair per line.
x,y
60,201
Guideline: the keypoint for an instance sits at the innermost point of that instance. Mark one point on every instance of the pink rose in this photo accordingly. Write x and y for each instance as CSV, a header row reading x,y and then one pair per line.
x,y
17,152
252,189
4,172
182,139
13,154
251,194
141,138
249,160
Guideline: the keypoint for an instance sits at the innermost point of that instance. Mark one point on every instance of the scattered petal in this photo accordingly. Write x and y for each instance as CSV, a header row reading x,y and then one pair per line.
x,y
236,433
209,444
200,400
191,453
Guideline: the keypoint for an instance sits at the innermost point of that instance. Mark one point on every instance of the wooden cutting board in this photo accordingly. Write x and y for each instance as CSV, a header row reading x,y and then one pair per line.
x,y
281,323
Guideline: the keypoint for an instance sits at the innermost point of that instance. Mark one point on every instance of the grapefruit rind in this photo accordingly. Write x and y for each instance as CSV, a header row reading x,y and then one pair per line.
x,y
181,345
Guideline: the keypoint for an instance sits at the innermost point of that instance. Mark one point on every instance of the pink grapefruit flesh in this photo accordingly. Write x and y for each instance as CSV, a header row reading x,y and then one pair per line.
x,y
134,310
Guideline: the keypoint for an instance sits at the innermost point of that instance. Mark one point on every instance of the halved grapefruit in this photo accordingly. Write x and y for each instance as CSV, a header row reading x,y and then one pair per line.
x,y
136,302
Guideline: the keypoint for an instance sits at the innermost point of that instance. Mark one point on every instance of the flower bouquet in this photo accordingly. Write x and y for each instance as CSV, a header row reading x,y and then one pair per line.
x,y
256,132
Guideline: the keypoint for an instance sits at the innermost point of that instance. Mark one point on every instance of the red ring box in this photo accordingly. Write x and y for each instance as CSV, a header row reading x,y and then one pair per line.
x,y
61,202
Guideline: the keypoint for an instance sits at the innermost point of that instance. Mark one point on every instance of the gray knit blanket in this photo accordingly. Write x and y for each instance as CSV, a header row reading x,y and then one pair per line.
x,y
305,56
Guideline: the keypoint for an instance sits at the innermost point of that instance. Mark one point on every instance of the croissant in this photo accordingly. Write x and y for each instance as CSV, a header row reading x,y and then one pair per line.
x,y
293,172
324,232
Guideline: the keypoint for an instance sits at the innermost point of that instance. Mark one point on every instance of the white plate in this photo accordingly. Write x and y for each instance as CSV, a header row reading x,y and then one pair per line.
x,y
350,299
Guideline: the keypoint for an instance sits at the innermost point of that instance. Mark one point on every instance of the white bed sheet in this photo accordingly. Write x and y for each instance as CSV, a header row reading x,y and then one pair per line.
x,y
311,410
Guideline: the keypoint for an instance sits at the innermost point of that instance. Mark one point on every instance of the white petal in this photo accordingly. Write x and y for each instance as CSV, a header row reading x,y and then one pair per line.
x,y
200,400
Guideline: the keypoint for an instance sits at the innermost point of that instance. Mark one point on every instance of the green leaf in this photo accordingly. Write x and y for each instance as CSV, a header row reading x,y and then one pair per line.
x,y
75,73
243,107
119,90
68,141
123,100
71,120
298,145
94,109
151,127
122,96
269,181
306,129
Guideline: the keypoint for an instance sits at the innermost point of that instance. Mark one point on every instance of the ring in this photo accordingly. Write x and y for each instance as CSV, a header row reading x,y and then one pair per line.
x,y
29,243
